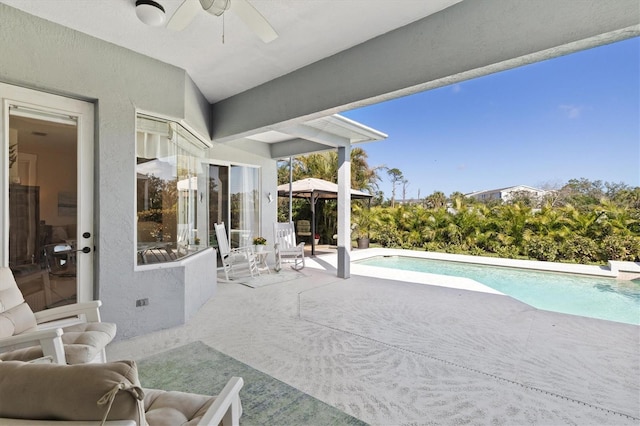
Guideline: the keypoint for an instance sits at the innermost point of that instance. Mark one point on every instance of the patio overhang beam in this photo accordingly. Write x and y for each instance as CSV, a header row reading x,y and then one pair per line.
x,y
295,147
322,134
345,127
315,135
462,42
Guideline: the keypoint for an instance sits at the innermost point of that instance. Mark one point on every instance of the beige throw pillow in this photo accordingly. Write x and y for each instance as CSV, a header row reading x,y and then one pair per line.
x,y
71,392
16,320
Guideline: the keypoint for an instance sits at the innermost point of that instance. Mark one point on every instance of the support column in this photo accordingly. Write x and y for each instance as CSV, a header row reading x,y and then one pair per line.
x,y
344,212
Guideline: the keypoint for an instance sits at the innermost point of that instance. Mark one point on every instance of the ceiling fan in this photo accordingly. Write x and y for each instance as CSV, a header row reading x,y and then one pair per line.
x,y
242,8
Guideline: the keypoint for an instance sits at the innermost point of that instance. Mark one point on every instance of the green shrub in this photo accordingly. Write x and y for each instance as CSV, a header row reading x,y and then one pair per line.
x,y
541,248
433,246
579,249
625,248
477,251
455,248
389,237
503,250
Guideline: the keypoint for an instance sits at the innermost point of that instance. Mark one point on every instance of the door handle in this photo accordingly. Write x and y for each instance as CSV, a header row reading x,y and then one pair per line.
x,y
66,249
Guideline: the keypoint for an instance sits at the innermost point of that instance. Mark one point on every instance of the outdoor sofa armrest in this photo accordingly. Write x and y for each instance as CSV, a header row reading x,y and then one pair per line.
x,y
49,340
29,422
226,408
90,310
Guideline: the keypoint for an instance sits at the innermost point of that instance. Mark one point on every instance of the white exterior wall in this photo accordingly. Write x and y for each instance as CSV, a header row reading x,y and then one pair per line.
x,y
507,194
44,56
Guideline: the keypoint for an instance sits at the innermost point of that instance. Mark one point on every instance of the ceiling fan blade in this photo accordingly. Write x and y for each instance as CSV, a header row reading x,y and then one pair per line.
x,y
254,20
184,15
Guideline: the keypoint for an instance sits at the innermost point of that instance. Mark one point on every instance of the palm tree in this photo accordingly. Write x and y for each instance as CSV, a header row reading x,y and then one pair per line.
x,y
324,166
512,219
551,222
458,196
396,177
584,224
363,177
616,220
436,200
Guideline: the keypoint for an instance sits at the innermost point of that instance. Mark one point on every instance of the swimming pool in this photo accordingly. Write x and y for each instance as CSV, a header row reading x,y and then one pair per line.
x,y
594,297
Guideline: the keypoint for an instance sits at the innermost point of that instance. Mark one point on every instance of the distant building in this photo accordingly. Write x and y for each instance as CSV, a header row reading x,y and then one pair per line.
x,y
507,194
410,201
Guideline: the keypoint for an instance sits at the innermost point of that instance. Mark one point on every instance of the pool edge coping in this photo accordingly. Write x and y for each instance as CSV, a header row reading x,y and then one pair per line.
x,y
612,271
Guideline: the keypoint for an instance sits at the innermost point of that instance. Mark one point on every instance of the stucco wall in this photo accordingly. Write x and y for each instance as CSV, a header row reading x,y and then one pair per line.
x,y
44,56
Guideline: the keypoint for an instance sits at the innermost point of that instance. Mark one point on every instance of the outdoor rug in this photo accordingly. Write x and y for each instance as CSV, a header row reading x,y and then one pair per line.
x,y
265,278
199,368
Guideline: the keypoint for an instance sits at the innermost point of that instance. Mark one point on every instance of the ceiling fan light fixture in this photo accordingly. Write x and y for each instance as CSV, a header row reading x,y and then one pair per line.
x,y
215,7
150,12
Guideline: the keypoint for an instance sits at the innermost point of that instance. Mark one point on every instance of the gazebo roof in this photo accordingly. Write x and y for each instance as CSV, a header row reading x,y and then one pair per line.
x,y
316,188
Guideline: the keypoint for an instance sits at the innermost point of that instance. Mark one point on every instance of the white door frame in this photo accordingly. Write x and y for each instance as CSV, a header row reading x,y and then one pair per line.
x,y
83,113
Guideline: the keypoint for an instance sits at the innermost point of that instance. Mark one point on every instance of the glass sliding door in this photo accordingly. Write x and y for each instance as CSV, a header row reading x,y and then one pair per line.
x,y
245,205
234,200
218,201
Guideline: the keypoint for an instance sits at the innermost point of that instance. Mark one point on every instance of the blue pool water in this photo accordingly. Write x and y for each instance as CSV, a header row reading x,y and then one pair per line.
x,y
594,297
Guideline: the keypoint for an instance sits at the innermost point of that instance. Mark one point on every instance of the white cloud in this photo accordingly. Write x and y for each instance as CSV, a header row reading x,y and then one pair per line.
x,y
456,88
572,111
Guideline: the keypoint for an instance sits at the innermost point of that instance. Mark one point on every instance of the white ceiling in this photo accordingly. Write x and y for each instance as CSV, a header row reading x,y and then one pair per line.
x,y
309,30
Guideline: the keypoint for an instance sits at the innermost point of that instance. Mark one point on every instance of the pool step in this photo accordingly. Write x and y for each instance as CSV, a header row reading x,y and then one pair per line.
x,y
625,270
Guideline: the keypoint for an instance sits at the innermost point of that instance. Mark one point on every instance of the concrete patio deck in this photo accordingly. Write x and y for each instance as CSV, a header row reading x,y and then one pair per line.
x,y
394,352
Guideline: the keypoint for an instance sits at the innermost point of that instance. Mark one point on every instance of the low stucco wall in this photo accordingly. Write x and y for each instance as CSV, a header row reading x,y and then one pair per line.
x,y
175,292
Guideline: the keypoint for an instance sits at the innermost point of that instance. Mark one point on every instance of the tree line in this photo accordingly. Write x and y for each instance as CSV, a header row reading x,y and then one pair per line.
x,y
581,221
605,231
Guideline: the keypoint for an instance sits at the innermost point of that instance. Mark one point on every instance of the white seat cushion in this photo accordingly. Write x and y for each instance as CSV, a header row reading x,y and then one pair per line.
x,y
82,343
169,408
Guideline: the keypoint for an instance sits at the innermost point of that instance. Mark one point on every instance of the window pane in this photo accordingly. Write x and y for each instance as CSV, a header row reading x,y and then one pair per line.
x,y
171,182
43,207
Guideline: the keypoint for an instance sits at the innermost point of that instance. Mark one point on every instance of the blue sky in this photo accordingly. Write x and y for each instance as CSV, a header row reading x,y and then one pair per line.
x,y
576,116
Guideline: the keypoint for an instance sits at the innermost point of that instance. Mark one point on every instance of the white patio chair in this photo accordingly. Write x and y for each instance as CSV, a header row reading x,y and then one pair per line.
x,y
71,334
237,257
286,248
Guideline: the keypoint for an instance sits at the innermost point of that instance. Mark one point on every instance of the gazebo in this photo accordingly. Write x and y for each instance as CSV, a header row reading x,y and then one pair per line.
x,y
314,189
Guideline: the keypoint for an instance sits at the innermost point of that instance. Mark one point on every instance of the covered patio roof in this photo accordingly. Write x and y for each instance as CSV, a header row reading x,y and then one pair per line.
x,y
332,56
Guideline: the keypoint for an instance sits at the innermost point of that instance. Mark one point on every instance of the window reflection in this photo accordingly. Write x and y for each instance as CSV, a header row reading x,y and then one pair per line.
x,y
180,196
171,182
